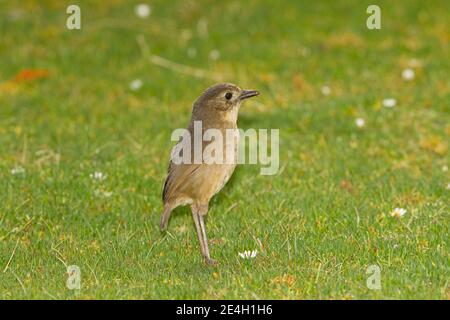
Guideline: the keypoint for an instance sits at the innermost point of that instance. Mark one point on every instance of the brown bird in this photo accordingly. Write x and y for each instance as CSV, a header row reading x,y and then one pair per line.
x,y
196,182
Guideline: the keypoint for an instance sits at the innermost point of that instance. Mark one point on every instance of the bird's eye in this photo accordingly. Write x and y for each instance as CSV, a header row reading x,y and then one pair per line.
x,y
228,95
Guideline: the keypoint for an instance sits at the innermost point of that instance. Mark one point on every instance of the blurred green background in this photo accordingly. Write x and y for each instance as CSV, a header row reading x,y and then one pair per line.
x,y
76,102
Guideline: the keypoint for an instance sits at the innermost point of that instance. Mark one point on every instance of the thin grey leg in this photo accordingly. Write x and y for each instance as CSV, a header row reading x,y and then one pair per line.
x,y
205,240
195,215
204,237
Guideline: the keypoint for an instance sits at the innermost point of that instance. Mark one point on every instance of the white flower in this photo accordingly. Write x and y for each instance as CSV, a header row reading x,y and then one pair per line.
x,y
214,55
408,74
448,186
17,170
142,10
191,52
99,176
389,102
398,212
444,168
136,84
360,122
325,90
247,254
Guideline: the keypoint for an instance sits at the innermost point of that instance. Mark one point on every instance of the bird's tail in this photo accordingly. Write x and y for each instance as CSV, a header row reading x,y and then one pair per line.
x,y
165,217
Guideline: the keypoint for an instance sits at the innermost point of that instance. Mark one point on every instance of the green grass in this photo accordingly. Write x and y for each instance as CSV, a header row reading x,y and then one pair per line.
x,y
322,220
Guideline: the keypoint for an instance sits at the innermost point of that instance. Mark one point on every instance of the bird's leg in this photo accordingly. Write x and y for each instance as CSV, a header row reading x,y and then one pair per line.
x,y
201,231
201,214
205,240
195,215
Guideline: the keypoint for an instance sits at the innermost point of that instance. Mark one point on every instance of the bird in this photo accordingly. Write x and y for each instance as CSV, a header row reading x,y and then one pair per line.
x,y
196,182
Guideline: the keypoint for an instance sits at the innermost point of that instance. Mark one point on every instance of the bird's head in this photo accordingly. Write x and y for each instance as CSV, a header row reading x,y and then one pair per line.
x,y
221,102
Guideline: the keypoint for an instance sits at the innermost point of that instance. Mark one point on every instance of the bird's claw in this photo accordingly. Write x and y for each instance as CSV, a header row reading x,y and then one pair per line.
x,y
211,262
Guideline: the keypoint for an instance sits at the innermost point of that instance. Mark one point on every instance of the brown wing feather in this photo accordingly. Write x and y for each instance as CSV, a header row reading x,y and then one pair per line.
x,y
177,175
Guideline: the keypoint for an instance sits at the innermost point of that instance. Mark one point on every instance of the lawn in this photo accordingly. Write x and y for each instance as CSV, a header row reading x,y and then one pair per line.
x,y
67,112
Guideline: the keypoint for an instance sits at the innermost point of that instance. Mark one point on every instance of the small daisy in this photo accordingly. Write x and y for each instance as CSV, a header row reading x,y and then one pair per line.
x,y
398,212
214,55
325,90
247,254
17,170
99,176
136,84
408,74
360,122
142,10
389,102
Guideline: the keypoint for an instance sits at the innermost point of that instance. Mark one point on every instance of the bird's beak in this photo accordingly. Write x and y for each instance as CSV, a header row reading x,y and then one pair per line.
x,y
248,94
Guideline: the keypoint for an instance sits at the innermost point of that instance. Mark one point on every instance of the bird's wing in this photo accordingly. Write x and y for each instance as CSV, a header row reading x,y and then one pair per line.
x,y
178,174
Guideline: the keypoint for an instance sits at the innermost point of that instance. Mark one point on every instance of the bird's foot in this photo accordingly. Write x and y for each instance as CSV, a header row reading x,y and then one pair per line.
x,y
211,262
